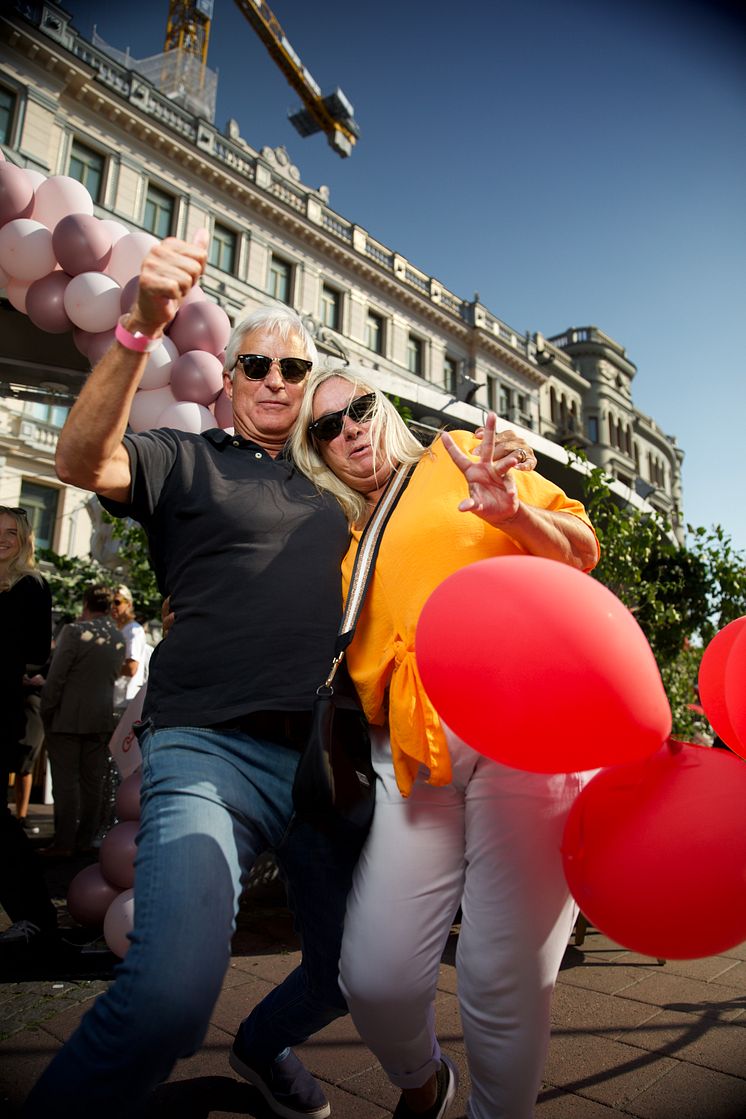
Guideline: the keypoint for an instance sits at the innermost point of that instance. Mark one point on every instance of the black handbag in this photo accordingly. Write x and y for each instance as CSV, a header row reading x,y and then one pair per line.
x,y
335,780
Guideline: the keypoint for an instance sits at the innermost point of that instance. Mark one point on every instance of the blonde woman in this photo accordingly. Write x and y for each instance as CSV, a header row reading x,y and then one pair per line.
x,y
451,828
25,637
25,628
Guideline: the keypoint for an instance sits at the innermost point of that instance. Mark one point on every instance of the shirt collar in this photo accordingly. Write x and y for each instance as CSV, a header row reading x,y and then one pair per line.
x,y
220,438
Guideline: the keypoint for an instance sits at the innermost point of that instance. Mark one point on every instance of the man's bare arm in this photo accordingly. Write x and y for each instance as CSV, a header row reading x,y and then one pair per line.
x,y
90,452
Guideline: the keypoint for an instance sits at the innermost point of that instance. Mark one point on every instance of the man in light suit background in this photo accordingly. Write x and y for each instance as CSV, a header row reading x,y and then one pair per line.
x,y
77,709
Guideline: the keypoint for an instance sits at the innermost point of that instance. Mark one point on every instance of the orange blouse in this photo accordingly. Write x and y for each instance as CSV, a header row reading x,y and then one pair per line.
x,y
426,540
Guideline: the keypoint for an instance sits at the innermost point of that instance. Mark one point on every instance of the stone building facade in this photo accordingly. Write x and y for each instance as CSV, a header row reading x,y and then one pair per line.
x,y
72,107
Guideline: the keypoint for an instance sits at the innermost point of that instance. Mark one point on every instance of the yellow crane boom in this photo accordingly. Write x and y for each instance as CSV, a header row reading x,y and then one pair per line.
x,y
188,29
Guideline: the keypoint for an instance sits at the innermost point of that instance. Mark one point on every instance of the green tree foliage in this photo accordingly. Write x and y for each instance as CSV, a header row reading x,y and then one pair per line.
x,y
681,595
68,576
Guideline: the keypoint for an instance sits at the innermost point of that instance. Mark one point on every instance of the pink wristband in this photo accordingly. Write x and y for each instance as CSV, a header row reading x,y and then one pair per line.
x,y
138,342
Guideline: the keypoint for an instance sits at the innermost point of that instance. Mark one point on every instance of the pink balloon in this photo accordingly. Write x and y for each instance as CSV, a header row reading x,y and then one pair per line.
x,y
59,196
115,228
200,326
89,896
557,676
26,251
197,376
735,691
16,193
185,415
98,345
127,803
223,411
147,407
157,371
16,291
45,303
712,674
35,177
196,295
129,294
92,301
128,254
117,854
118,923
81,244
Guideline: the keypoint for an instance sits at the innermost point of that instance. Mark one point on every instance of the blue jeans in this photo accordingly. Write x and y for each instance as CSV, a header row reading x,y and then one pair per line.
x,y
212,801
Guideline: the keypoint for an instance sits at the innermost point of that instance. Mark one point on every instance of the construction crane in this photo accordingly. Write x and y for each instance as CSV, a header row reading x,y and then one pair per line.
x,y
188,29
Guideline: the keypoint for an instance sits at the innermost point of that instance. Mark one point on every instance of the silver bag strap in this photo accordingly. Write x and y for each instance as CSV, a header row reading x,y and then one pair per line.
x,y
365,561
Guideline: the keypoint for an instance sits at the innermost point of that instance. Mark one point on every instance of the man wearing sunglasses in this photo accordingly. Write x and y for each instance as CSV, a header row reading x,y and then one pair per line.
x,y
250,553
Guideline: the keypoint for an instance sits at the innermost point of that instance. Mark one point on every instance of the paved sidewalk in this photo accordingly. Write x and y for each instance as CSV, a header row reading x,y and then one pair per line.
x,y
631,1037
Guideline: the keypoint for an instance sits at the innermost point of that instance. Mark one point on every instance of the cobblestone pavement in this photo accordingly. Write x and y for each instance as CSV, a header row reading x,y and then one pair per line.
x,y
631,1036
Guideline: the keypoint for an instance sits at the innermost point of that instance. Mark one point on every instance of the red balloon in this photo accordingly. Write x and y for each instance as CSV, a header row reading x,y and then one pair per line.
x,y
200,326
655,852
81,244
45,303
712,670
197,376
735,691
89,896
554,676
117,854
127,802
118,922
16,193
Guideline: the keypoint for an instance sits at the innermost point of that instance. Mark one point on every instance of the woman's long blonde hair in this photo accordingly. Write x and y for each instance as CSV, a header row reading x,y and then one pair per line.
x,y
390,438
25,562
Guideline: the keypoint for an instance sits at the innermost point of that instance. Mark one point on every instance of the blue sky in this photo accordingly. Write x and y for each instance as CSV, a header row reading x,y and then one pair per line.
x,y
576,162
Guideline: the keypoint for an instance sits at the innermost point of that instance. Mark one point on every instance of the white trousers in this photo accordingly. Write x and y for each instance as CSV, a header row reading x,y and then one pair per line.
x,y
489,842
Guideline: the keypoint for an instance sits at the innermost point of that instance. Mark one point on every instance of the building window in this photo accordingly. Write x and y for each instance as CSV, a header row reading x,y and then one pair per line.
x,y
415,355
40,502
450,374
223,249
505,402
280,276
52,414
593,429
87,166
331,302
159,212
7,112
374,332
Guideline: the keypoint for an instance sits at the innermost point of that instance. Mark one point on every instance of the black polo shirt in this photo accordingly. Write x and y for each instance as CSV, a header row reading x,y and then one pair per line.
x,y
250,553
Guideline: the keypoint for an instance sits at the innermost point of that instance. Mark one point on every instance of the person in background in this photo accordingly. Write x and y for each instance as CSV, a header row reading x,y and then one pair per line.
x,y
25,638
452,827
30,746
136,649
78,712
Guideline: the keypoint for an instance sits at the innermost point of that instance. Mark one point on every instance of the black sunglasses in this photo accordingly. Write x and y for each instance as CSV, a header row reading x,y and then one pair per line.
x,y
328,427
257,366
14,509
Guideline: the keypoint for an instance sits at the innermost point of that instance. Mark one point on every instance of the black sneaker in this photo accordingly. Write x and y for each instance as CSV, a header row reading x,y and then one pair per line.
x,y
22,933
28,827
286,1085
447,1081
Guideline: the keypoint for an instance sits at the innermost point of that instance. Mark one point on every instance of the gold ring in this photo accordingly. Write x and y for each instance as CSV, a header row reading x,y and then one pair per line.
x,y
523,454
